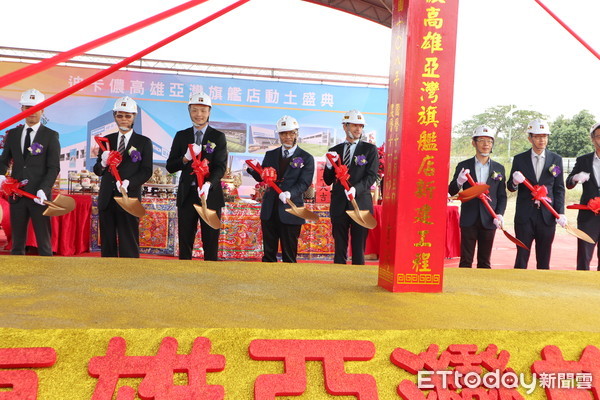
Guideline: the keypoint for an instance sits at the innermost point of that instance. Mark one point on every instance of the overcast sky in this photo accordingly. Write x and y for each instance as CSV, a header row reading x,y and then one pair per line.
x,y
508,51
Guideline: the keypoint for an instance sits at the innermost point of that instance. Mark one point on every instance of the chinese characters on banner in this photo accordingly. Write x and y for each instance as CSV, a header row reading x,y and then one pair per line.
x,y
418,145
141,86
462,371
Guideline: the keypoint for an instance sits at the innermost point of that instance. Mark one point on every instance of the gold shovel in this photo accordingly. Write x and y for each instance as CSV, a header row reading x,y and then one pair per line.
x,y
361,217
209,216
294,210
61,205
573,231
132,206
200,168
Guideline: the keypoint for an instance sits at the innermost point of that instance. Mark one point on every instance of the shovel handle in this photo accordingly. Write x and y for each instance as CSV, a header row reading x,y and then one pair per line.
x,y
199,176
336,167
544,202
485,201
101,140
259,170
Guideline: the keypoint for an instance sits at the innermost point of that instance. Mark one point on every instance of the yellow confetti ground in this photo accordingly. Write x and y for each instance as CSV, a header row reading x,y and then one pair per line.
x,y
76,305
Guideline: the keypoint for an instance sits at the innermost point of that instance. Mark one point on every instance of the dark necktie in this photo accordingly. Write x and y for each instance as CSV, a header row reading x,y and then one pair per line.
x,y
199,138
121,148
286,153
347,154
27,142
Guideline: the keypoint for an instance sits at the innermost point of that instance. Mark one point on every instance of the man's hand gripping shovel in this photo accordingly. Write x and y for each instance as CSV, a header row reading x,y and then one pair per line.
x,y
363,218
539,193
132,206
269,176
200,168
486,203
61,204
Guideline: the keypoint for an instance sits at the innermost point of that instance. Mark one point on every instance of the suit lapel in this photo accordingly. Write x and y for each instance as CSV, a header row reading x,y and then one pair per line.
x,y
528,167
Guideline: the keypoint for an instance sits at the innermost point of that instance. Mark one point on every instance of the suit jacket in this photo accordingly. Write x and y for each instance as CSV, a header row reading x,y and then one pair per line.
x,y
591,188
294,180
39,170
217,165
555,185
362,177
137,173
470,210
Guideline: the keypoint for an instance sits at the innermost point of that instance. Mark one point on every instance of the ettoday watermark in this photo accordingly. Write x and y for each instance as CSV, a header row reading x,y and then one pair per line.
x,y
503,380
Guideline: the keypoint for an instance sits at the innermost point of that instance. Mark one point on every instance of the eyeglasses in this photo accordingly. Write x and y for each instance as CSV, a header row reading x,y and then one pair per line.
x,y
485,141
289,133
126,116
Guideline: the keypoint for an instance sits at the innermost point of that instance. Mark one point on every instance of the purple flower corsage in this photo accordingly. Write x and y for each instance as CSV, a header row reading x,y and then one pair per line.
x,y
36,149
209,147
554,170
497,176
135,155
297,162
360,160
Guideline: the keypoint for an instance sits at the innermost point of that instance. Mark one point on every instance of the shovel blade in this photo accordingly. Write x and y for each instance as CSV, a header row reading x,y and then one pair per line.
x,y
515,240
61,205
472,192
580,234
132,206
303,213
363,218
209,216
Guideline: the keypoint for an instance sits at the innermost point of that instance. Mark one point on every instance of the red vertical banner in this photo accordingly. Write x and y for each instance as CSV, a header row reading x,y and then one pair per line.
x,y
417,146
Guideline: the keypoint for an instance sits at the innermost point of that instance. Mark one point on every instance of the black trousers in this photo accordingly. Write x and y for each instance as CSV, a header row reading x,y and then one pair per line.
x,y
535,229
187,218
585,250
343,226
119,232
473,235
20,214
275,231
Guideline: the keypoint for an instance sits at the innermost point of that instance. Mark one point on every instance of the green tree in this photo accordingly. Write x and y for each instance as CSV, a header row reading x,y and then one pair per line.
x,y
510,123
571,136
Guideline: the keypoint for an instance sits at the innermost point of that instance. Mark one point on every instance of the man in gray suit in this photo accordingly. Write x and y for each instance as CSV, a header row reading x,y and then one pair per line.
x,y
34,151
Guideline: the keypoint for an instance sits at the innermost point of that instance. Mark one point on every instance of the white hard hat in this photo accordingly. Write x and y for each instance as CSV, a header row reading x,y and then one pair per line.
x,y
125,104
32,97
483,130
200,98
538,127
287,123
353,117
596,126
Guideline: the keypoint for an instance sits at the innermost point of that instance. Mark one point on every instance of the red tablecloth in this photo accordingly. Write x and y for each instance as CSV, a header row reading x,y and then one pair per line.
x,y
452,233
70,232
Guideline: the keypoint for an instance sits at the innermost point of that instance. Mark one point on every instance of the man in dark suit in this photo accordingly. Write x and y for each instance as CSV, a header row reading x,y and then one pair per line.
x,y
477,227
119,230
362,160
213,146
34,151
533,221
587,172
295,169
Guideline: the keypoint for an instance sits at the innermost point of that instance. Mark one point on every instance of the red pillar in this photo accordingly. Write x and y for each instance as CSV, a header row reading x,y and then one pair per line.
x,y
417,145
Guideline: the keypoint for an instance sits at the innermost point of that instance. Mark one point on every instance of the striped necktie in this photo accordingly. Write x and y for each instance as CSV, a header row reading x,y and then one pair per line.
x,y
121,148
347,154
